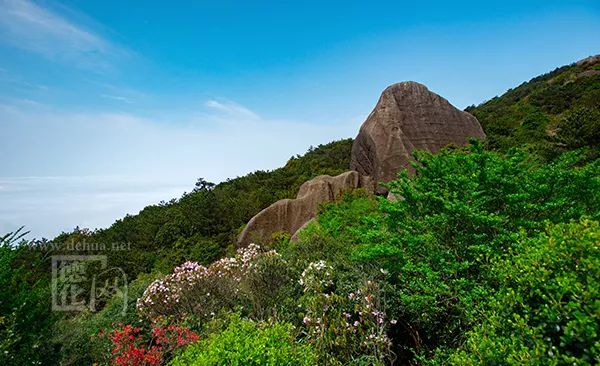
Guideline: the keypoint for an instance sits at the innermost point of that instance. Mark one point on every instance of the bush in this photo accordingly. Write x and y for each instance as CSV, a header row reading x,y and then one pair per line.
x,y
26,318
343,327
579,128
459,214
252,279
245,342
266,286
131,346
546,312
78,336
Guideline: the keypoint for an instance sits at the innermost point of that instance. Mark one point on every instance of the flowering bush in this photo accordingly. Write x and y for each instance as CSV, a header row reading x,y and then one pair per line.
x,y
343,327
131,347
193,289
317,277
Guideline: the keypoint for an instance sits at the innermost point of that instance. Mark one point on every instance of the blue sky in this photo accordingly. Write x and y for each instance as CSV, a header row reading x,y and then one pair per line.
x,y
107,106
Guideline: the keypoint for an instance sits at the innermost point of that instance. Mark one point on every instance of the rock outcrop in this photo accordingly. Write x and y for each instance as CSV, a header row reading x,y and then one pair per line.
x,y
408,117
589,60
289,215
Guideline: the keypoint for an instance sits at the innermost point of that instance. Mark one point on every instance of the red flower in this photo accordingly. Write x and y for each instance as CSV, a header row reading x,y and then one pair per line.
x,y
131,347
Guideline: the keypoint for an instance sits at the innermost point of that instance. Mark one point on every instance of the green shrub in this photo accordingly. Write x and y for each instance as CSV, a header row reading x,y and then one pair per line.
x,y
460,214
265,287
546,312
245,342
26,318
341,326
579,128
79,337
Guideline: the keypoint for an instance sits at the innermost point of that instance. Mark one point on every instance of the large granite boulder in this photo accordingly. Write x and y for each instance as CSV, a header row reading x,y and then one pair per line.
x,y
408,117
289,215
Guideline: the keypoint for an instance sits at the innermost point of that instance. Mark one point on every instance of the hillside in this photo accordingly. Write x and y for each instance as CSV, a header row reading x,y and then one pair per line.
x,y
533,115
202,223
550,113
490,257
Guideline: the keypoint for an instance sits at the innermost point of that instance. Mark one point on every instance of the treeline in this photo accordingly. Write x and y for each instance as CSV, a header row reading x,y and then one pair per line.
x,y
204,222
549,114
200,225
487,259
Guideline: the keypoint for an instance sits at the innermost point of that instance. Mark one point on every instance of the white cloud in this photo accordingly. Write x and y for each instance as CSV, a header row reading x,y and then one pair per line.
x,y
232,109
28,26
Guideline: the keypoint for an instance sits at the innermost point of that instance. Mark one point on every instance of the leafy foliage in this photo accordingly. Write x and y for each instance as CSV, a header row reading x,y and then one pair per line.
x,y
462,212
482,257
530,114
26,318
546,311
343,328
580,127
245,342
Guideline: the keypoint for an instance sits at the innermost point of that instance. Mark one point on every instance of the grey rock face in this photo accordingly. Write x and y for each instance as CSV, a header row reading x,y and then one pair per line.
x,y
408,117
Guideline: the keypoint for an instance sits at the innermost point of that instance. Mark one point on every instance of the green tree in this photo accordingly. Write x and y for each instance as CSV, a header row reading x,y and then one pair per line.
x,y
546,311
580,127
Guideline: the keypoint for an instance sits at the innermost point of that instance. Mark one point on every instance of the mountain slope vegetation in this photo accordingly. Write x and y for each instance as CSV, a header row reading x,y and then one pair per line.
x,y
490,257
549,114
205,221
